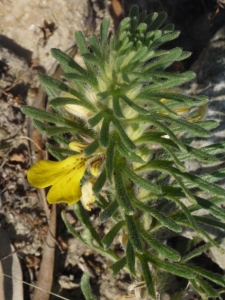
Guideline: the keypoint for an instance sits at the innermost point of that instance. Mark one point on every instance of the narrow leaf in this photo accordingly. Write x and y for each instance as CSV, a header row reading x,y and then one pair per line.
x,y
130,255
96,119
110,236
118,266
83,217
104,133
176,269
66,62
133,234
109,165
124,137
86,288
217,278
99,183
109,211
121,194
141,181
162,249
104,36
116,108
131,156
209,290
90,149
164,220
147,275
158,21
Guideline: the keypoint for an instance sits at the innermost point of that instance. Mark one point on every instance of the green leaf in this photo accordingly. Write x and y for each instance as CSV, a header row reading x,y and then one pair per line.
x,y
102,200
90,149
200,183
110,236
212,208
104,133
158,21
58,85
154,120
174,268
86,288
81,43
130,255
118,266
142,16
141,181
147,275
141,28
186,191
137,108
76,79
168,28
121,194
94,43
61,101
61,150
104,37
214,148
124,137
96,119
134,11
52,130
164,220
129,155
168,58
216,278
42,115
169,37
187,126
183,99
210,222
84,218
209,290
109,211
162,249
99,183
151,18
91,58
199,154
70,228
133,234
66,62
196,252
57,155
109,162
140,56
116,108
172,81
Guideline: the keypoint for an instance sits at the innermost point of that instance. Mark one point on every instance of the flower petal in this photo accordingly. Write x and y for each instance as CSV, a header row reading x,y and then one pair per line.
x,y
78,146
67,187
44,173
95,165
87,195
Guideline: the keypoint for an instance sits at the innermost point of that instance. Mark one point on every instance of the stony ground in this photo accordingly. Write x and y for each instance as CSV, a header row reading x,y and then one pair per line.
x,y
28,31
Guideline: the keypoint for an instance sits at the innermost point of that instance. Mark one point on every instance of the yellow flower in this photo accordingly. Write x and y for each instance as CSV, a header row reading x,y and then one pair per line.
x,y
64,176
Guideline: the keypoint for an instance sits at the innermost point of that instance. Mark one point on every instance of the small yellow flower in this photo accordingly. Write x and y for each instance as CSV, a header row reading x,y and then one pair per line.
x,y
64,176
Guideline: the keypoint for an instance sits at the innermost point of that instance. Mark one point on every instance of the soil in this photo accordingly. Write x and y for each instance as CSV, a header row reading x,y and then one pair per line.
x,y
24,214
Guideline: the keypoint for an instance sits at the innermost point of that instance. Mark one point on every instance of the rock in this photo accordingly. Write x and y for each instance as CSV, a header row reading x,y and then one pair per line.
x,y
37,26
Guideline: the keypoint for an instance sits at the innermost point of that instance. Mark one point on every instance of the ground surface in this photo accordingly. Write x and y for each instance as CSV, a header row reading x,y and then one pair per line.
x,y
24,215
